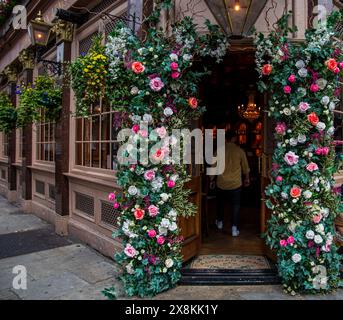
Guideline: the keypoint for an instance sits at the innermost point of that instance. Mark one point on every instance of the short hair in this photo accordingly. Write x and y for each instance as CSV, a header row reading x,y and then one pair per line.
x,y
230,134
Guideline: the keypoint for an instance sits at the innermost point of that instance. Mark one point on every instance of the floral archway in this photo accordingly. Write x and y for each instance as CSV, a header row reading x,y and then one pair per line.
x,y
153,86
303,81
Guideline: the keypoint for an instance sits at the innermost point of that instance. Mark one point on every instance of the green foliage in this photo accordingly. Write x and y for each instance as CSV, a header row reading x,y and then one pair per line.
x,y
110,293
41,101
8,114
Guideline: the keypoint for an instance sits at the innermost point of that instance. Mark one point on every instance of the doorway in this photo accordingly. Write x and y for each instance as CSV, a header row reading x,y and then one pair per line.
x,y
234,103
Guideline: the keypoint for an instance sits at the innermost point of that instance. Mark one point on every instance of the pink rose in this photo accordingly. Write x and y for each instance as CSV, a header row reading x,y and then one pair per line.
x,y
116,206
290,240
171,184
325,151
111,196
283,243
156,84
161,240
174,66
158,155
319,151
292,78
153,211
279,179
130,251
314,87
341,65
149,175
312,167
280,128
175,75
135,128
162,132
143,133
337,70
152,233
317,218
287,89
291,158
303,107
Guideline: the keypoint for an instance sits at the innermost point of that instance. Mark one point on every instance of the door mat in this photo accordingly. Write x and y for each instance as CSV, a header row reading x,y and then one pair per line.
x,y
230,262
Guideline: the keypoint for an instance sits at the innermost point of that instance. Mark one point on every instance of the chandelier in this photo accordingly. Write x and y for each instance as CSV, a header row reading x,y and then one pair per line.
x,y
250,111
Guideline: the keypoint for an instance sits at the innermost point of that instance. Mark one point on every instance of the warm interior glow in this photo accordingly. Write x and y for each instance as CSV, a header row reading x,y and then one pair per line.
x,y
39,36
237,7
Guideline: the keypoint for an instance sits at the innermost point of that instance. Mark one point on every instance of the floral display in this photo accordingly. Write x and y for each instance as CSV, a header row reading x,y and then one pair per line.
x,y
8,114
305,90
40,101
154,86
88,75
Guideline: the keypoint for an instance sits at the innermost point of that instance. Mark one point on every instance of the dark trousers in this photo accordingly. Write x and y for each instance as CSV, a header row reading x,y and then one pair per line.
x,y
234,197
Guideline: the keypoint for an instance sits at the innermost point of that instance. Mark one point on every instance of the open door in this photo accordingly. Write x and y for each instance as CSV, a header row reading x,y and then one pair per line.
x,y
265,169
191,227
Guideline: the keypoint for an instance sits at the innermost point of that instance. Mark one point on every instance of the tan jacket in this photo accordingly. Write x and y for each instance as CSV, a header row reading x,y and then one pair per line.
x,y
236,163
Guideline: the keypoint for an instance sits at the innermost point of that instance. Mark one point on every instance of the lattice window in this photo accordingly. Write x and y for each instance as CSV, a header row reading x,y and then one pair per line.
x,y
84,203
40,187
96,144
45,141
4,145
86,43
109,26
108,214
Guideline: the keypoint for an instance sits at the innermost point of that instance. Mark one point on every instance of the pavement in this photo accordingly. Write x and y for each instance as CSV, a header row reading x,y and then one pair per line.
x,y
60,268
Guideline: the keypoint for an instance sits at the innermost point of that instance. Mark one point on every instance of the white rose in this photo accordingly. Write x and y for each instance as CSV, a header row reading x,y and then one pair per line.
x,y
302,138
307,194
325,100
187,57
284,195
331,131
164,197
174,57
310,235
300,64
169,263
134,91
173,227
320,229
133,191
130,269
332,106
303,72
293,142
162,231
165,223
321,83
321,126
287,111
318,239
147,118
168,112
296,257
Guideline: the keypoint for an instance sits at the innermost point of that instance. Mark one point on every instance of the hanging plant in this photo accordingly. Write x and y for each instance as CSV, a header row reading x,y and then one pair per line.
x,y
8,114
40,102
88,77
6,8
304,85
155,85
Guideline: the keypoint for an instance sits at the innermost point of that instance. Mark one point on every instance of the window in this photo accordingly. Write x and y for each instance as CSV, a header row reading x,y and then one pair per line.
x,y
96,144
45,141
19,145
4,145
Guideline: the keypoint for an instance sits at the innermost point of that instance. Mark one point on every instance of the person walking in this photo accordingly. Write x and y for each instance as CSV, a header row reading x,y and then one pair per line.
x,y
229,183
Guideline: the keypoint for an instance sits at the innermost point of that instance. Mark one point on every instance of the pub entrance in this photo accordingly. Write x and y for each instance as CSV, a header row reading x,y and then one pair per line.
x,y
234,103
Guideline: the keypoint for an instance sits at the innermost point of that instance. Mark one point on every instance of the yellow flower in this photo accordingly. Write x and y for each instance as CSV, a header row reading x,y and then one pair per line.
x,y
85,70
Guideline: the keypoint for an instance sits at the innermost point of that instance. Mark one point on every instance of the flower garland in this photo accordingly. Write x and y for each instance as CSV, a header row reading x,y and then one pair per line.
x,y
88,77
154,85
41,101
304,84
8,114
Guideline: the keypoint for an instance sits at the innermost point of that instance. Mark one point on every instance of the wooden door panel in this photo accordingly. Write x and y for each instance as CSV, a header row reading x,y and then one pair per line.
x,y
191,227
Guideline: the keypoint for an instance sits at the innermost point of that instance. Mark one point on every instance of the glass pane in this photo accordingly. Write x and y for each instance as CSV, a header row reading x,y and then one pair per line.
x,y
86,155
39,136
96,128
105,127
79,129
46,132
87,130
78,154
95,155
105,156
115,147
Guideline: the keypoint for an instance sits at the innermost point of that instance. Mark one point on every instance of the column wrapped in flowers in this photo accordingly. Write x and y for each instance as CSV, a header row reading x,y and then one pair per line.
x,y
153,83
304,89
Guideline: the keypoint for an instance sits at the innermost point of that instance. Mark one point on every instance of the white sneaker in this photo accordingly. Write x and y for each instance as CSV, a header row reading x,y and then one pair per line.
x,y
235,231
219,224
